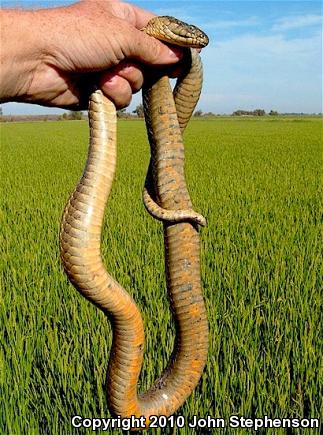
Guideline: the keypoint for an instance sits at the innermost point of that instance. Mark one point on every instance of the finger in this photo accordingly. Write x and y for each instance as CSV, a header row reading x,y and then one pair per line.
x,y
181,67
117,89
150,51
131,72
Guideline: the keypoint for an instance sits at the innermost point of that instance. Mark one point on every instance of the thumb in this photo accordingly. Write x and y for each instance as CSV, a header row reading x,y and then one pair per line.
x,y
149,50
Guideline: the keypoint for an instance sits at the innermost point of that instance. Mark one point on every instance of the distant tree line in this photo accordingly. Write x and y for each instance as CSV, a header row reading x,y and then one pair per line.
x,y
139,113
72,115
256,112
240,112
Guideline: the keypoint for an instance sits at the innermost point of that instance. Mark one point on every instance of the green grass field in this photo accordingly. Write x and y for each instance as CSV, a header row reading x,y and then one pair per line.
x,y
256,181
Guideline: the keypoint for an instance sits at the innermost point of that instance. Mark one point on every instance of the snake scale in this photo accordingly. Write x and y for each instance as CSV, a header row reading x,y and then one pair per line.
x,y
167,199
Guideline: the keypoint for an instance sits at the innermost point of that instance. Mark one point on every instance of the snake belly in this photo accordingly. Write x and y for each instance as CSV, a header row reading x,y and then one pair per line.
x,y
80,236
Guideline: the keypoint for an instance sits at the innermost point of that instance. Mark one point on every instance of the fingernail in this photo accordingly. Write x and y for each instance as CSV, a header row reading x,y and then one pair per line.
x,y
175,52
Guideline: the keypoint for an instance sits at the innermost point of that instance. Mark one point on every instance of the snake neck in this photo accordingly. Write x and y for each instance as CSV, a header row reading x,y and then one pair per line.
x,y
188,88
167,149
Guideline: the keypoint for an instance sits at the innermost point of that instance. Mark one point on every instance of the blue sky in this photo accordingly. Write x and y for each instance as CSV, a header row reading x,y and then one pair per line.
x,y
262,54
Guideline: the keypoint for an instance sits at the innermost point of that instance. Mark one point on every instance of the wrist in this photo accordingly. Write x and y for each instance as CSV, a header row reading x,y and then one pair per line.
x,y
21,52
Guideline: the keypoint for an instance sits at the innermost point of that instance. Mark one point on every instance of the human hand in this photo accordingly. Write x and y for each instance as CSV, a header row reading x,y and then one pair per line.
x,y
54,56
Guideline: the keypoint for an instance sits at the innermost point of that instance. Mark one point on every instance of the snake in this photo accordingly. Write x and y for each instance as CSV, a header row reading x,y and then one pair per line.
x,y
166,198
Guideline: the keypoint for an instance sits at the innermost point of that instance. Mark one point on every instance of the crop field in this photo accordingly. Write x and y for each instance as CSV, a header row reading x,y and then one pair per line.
x,y
257,182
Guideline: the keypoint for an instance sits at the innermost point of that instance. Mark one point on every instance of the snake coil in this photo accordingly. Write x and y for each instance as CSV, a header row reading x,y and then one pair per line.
x,y
167,199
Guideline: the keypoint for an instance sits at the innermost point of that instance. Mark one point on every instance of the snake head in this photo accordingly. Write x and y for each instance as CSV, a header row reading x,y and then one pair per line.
x,y
176,32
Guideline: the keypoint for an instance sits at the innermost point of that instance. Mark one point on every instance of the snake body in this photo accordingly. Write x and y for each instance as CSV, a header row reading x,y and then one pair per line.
x,y
166,198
